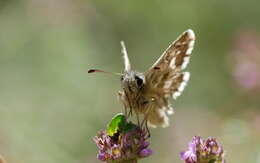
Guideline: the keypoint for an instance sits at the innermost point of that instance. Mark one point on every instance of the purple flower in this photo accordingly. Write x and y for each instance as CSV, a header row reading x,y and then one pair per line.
x,y
247,75
203,151
102,156
189,156
246,59
145,152
122,147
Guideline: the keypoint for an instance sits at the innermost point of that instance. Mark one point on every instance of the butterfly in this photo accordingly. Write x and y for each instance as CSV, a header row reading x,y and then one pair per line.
x,y
148,93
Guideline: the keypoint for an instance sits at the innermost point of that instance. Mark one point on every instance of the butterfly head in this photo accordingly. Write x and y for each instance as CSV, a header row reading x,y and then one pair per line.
x,y
132,81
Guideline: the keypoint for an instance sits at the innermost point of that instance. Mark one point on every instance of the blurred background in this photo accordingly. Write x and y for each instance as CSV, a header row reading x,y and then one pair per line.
x,y
50,108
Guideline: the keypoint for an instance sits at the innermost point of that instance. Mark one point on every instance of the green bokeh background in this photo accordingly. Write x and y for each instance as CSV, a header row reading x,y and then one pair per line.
x,y
50,108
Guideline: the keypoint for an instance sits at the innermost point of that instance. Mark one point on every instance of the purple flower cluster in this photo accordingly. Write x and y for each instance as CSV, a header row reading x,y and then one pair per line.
x,y
123,147
203,151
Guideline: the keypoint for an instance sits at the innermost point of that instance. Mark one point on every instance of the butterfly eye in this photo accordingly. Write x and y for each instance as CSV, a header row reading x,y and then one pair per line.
x,y
121,78
139,81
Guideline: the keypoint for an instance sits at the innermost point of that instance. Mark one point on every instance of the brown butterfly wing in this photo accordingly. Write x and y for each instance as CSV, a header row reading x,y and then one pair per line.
x,y
165,79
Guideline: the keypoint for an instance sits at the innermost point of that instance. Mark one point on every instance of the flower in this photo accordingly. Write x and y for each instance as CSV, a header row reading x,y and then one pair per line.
x,y
246,59
123,146
190,155
203,151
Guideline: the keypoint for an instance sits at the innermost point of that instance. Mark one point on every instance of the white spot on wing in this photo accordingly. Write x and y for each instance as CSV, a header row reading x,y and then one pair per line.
x,y
191,33
170,110
172,63
188,52
182,86
165,118
186,76
191,36
186,60
151,125
166,124
176,94
191,44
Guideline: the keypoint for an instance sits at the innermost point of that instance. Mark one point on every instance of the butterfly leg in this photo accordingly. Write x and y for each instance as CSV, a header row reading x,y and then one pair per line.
x,y
129,114
123,98
147,129
125,111
146,114
137,117
144,123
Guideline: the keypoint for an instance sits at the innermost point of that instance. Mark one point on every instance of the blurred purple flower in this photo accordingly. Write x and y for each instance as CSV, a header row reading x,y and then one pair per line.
x,y
203,151
123,147
247,75
246,58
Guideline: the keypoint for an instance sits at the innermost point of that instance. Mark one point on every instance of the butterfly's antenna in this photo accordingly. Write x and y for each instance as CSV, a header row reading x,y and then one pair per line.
x,y
97,70
125,57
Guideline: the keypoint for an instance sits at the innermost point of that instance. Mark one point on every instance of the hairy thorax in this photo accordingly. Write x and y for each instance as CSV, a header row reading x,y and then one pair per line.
x,y
133,94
